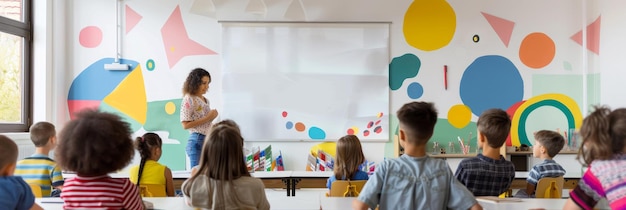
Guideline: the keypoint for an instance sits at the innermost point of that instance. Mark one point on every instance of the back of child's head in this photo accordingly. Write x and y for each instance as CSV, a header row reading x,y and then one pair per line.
x,y
418,120
551,140
194,80
495,125
95,143
228,122
349,156
603,133
145,144
222,156
8,152
41,132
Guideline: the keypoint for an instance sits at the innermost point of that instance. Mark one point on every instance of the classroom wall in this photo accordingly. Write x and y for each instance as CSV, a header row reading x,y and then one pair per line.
x,y
81,37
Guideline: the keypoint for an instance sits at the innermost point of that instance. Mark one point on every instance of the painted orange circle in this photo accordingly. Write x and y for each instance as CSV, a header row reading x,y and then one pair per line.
x,y
300,126
537,50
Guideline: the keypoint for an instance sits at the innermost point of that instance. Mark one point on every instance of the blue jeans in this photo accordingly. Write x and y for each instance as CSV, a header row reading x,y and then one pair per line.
x,y
194,148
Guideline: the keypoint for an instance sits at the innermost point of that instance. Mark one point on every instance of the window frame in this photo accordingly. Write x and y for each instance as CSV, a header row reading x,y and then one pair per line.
x,y
22,29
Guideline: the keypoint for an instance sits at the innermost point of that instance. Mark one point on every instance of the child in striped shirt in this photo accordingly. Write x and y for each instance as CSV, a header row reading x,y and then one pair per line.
x,y
547,145
603,152
39,169
94,145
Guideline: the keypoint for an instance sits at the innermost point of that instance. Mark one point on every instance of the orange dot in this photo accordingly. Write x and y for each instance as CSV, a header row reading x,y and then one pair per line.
x,y
300,126
537,50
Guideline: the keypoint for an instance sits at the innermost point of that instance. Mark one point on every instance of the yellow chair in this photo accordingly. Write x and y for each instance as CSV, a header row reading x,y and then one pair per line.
x,y
346,188
549,187
36,190
152,190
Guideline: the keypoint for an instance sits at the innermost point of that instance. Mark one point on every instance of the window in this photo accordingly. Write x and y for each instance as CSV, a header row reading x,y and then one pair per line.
x,y
15,65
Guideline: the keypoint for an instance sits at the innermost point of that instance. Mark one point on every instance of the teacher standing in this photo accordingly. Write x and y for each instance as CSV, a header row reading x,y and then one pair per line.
x,y
196,114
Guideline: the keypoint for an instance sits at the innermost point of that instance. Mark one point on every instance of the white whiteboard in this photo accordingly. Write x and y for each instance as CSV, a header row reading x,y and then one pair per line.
x,y
306,81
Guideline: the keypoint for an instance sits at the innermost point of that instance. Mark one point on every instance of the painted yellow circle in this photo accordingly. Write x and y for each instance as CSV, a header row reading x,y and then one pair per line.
x,y
170,108
459,115
429,24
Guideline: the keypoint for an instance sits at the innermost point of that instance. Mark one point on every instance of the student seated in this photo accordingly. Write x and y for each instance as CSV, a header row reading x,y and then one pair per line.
x,y
488,174
39,169
349,158
14,192
221,180
94,145
547,145
150,171
414,180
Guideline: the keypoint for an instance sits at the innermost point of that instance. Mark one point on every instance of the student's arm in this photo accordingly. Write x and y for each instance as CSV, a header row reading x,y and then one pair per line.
x,y
530,189
169,182
476,207
57,178
358,205
36,207
571,205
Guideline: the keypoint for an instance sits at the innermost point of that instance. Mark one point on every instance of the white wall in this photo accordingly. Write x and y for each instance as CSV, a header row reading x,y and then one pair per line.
x,y
60,57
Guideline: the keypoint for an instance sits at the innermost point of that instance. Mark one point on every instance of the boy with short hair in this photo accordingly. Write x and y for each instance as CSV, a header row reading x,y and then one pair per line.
x,y
414,180
547,145
488,174
14,192
39,169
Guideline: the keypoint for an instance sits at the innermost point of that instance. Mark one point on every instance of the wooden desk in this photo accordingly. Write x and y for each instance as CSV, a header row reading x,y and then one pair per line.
x,y
571,180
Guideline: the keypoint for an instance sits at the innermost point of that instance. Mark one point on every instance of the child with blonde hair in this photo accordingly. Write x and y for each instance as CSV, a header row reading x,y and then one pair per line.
x,y
149,170
603,151
349,157
222,180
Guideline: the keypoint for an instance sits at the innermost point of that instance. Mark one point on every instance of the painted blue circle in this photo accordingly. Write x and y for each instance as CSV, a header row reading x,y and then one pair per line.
x,y
491,81
415,90
289,125
316,133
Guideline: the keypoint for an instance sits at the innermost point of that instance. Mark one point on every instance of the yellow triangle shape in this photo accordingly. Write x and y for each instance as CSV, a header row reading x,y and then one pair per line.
x,y
129,97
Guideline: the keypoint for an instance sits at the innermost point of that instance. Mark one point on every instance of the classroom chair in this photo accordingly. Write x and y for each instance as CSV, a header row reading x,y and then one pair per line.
x,y
346,188
549,187
152,190
36,190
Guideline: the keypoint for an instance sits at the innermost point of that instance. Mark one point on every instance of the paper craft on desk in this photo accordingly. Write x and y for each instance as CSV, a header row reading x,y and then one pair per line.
x,y
494,199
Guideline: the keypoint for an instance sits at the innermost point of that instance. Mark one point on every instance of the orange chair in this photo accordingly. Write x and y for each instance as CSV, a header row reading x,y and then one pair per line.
x,y
152,190
346,188
549,187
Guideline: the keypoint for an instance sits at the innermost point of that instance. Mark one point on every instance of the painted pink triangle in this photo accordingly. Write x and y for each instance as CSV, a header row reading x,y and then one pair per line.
x,y
132,18
503,27
176,41
593,36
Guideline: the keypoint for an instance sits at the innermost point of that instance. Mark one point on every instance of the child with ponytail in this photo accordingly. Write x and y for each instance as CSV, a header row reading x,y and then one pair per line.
x,y
149,171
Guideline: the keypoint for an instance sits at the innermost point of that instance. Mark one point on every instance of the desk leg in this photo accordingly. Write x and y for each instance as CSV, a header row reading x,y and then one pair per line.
x,y
287,182
294,182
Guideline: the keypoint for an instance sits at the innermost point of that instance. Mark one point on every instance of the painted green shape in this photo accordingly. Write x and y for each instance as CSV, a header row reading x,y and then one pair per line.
x,y
402,68
444,134
569,85
567,66
593,90
389,146
174,155
134,125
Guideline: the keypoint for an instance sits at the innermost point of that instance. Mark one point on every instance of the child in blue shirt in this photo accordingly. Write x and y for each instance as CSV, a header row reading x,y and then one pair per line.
x,y
14,192
349,158
414,180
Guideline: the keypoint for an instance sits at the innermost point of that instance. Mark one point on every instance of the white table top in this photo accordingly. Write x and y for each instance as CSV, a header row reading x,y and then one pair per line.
x,y
532,203
312,174
568,174
307,199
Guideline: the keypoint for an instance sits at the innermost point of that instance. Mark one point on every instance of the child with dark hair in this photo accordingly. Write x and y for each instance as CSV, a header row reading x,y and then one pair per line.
x,y
39,169
14,192
488,174
149,170
603,152
222,180
94,145
547,145
415,180
349,157
196,114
